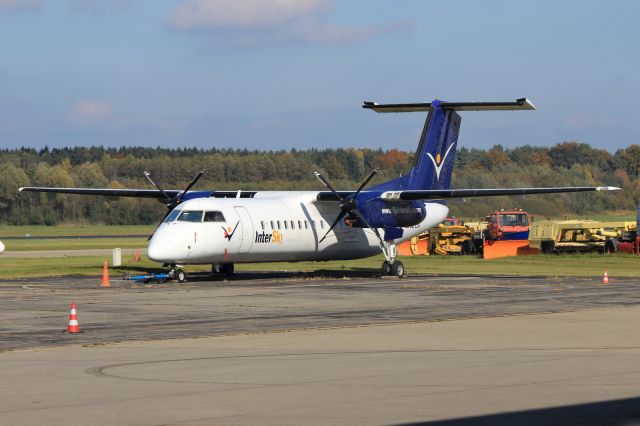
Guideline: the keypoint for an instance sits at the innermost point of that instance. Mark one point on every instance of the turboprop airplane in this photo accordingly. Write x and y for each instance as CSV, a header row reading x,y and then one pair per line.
x,y
223,228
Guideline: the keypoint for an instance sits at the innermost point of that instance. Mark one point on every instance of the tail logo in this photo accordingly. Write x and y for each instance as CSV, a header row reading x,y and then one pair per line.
x,y
436,161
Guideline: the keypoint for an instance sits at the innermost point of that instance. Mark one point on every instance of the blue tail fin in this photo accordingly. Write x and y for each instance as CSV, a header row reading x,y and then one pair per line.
x,y
433,164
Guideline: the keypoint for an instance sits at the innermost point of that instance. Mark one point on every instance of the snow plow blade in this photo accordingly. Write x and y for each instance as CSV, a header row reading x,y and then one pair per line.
x,y
506,248
414,247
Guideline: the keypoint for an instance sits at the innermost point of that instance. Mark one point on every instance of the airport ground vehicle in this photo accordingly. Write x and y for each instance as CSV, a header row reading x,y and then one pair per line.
x,y
628,242
501,233
506,234
579,236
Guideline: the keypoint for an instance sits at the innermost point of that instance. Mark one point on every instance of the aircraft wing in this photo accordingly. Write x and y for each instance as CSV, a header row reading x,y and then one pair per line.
x,y
111,192
139,193
440,194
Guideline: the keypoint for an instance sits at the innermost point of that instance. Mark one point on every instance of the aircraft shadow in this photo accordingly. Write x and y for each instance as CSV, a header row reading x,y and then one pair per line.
x,y
614,412
263,275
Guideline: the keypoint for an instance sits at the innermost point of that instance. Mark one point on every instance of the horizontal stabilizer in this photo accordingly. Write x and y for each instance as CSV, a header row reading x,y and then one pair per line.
x,y
519,104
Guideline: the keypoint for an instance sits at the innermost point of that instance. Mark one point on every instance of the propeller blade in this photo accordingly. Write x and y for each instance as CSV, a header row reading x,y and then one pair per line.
x,y
148,176
327,184
342,214
366,181
193,182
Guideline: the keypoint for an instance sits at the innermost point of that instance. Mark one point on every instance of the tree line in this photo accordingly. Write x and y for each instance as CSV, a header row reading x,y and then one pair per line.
x,y
565,164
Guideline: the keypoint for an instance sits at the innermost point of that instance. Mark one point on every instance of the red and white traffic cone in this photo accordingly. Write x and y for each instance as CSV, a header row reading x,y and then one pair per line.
x,y
605,277
73,320
104,282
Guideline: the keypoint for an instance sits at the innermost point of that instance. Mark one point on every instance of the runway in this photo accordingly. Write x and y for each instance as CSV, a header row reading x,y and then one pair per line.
x,y
355,350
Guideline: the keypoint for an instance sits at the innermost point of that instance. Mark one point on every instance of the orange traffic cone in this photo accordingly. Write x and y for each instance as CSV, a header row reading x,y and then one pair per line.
x,y
136,256
73,320
104,282
605,278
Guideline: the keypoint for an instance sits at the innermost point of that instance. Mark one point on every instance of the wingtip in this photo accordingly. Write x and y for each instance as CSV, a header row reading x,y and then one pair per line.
x,y
607,188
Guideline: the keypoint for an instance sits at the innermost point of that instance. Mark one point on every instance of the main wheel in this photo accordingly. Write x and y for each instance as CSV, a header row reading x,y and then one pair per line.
x,y
397,269
181,276
227,268
386,268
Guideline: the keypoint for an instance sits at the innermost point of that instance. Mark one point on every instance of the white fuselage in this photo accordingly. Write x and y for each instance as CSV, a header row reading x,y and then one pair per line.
x,y
271,227
1,247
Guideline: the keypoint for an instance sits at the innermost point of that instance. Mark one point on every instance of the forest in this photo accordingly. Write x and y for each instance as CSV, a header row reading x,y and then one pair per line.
x,y
565,164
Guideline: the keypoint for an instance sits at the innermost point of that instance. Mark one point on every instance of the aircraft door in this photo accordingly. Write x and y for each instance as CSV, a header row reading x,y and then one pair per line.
x,y
246,229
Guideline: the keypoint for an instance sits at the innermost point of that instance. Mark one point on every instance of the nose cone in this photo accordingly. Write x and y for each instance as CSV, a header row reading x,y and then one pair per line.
x,y
1,247
160,248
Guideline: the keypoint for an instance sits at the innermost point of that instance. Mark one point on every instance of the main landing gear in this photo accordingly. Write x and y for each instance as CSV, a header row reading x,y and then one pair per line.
x,y
222,268
391,266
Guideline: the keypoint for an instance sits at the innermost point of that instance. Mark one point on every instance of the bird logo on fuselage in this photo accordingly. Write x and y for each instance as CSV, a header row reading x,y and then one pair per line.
x,y
228,233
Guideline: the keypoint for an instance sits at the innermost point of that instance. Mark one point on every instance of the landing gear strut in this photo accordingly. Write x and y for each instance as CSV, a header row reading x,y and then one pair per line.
x,y
391,266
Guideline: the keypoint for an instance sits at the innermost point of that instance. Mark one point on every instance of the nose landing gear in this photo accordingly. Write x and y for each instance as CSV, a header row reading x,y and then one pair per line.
x,y
176,273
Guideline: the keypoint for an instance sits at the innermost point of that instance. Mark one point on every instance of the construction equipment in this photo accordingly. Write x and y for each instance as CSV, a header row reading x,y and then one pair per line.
x,y
579,236
501,233
628,242
449,237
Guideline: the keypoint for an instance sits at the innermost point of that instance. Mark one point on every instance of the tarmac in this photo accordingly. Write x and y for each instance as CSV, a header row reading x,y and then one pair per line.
x,y
276,348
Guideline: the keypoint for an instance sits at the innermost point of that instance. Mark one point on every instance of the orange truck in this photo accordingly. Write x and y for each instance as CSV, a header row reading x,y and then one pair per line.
x,y
506,234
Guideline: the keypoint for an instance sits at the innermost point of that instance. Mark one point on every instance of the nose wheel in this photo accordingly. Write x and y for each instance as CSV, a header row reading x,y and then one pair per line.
x,y
177,274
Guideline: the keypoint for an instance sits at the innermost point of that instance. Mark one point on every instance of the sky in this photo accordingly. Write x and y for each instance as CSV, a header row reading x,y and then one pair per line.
x,y
282,74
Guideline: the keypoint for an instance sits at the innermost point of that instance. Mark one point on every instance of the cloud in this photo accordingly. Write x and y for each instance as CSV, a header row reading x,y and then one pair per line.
x,y
100,6
89,112
260,22
208,14
17,5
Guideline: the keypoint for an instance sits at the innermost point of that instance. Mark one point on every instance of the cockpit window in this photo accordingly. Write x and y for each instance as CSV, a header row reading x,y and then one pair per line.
x,y
213,216
191,216
172,216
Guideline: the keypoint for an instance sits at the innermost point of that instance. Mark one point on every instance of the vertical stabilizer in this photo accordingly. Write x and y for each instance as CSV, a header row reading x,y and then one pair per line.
x,y
433,165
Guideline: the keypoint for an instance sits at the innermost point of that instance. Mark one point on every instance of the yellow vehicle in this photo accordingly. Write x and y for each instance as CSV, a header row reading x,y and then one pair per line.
x,y
576,236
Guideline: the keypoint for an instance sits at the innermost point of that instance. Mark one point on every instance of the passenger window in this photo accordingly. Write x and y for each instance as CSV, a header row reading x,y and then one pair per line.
x,y
299,225
292,225
278,224
306,225
286,225
262,224
272,227
322,224
213,217
191,216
